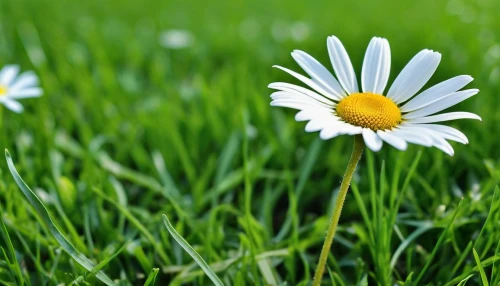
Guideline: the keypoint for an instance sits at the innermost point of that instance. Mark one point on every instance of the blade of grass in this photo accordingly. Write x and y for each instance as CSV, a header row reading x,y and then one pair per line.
x,y
404,188
494,269
462,283
36,261
335,278
103,263
134,221
227,156
248,193
190,250
152,277
473,244
408,281
14,265
37,204
305,172
363,281
404,244
481,269
438,244
485,263
362,210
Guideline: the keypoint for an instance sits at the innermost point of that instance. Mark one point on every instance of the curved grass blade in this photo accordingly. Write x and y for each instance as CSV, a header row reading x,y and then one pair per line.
x,y
404,244
184,244
481,269
44,214
408,280
462,283
438,244
103,263
152,277
13,265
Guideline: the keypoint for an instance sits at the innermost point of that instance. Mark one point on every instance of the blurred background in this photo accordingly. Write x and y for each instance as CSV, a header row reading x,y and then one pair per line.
x,y
164,106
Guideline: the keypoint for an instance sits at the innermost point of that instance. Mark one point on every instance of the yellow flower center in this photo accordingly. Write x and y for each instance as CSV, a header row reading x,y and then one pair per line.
x,y
369,110
3,90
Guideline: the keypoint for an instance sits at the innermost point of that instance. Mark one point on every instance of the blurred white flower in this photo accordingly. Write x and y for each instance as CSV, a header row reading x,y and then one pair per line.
x,y
176,39
296,31
14,87
251,131
280,31
299,31
45,197
494,52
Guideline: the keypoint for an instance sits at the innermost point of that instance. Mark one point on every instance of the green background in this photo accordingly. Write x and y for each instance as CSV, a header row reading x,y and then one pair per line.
x,y
189,133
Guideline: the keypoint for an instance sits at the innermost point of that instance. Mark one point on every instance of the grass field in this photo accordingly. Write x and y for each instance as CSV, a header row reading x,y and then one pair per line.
x,y
129,130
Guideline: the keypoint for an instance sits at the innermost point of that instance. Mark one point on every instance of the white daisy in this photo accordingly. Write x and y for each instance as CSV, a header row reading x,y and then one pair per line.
x,y
176,39
14,87
337,106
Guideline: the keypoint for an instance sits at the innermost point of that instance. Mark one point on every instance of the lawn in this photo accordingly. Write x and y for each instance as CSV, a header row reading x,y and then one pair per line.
x,y
134,125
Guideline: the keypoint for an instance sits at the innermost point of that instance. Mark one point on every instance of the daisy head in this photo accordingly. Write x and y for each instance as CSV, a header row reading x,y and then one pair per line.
x,y
14,87
336,105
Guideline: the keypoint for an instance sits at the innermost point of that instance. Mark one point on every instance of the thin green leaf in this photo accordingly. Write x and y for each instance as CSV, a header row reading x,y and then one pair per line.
x,y
404,244
363,281
108,259
12,253
152,277
481,269
438,244
465,280
37,204
335,278
184,244
408,281
134,221
305,172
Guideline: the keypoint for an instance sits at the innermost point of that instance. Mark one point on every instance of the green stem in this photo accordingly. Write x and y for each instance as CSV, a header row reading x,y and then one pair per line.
x,y
334,221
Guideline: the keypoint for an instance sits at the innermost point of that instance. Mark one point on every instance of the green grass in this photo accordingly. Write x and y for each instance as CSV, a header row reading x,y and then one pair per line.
x,y
128,131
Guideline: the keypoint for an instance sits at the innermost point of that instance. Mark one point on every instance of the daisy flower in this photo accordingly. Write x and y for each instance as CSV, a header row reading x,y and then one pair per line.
x,y
336,105
14,87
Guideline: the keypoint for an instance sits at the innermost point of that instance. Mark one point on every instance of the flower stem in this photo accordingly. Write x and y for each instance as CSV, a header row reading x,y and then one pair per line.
x,y
334,220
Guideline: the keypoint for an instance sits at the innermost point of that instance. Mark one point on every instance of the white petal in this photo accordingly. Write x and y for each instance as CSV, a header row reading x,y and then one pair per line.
x,y
338,128
311,113
440,143
315,125
436,92
342,65
26,79
318,72
12,105
319,123
313,84
446,132
431,137
372,140
445,147
329,133
8,74
392,139
443,103
376,66
414,76
413,135
291,104
292,88
444,117
283,95
25,93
